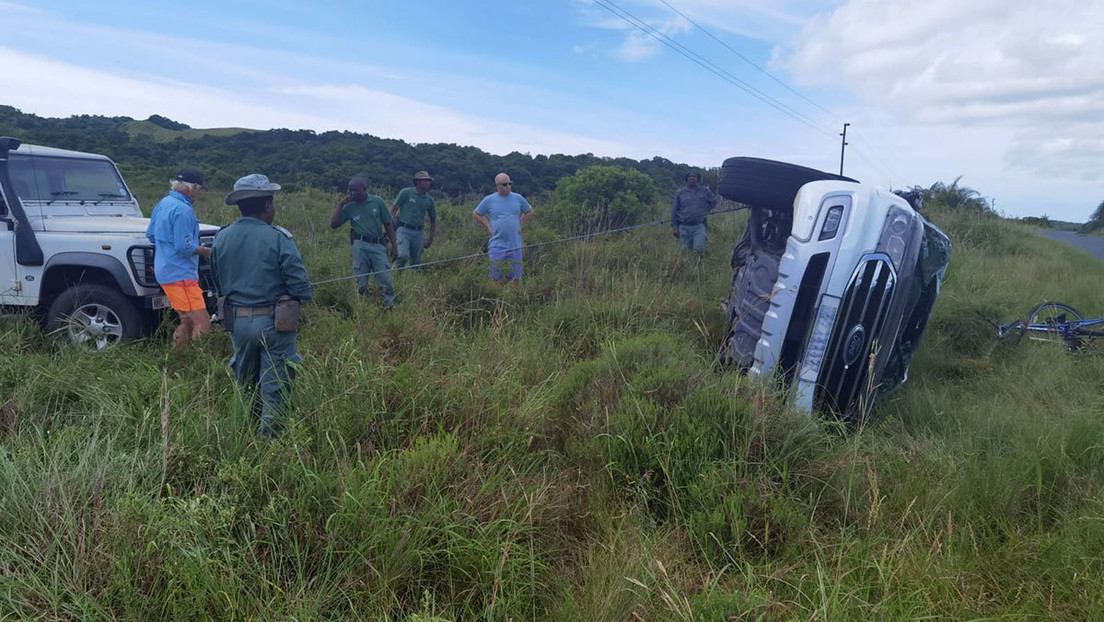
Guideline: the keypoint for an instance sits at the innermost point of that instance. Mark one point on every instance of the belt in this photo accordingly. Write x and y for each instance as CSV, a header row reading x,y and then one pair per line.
x,y
414,227
251,311
370,240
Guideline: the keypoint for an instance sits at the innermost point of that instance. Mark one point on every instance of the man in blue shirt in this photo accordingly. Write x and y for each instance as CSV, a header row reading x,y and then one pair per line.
x,y
503,214
258,268
692,203
174,232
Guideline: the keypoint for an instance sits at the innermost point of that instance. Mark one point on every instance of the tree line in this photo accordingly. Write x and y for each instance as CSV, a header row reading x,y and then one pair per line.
x,y
307,159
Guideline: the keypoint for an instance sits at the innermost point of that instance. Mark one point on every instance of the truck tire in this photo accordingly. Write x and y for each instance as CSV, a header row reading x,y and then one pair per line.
x,y
94,316
766,183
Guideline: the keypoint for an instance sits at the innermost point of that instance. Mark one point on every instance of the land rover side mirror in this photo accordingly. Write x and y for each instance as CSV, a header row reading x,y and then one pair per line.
x,y
7,143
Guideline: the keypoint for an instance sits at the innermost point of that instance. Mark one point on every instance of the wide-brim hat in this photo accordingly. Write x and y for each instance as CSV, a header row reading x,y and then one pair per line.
x,y
422,175
251,186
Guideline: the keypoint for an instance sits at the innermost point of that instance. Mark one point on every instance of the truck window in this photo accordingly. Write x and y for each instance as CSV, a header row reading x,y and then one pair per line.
x,y
50,179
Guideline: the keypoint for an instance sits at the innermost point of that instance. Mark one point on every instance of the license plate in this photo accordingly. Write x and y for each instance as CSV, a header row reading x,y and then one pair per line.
x,y
159,302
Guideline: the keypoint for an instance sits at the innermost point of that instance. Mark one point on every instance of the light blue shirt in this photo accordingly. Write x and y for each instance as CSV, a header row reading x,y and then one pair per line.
x,y
504,214
174,232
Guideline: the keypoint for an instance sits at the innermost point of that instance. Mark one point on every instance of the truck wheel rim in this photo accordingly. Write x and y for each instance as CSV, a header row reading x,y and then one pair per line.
x,y
95,325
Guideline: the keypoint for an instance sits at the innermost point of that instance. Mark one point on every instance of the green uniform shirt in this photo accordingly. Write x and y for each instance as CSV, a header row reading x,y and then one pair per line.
x,y
368,216
255,263
413,207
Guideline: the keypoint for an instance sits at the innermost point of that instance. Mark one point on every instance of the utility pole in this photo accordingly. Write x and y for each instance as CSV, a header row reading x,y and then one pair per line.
x,y
843,145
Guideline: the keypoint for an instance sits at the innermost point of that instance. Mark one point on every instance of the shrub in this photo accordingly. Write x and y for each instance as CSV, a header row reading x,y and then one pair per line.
x,y
1096,221
602,196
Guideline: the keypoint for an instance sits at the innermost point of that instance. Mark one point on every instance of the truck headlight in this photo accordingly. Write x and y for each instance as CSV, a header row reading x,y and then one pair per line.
x,y
894,232
831,223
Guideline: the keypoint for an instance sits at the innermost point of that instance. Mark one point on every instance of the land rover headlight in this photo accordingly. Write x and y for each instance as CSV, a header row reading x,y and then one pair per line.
x,y
141,262
894,238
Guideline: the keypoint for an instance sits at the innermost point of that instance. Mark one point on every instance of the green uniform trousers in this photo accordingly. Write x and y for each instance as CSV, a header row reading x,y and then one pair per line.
x,y
263,363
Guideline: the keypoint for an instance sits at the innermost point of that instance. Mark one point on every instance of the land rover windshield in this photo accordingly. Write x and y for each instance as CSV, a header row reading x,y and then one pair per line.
x,y
60,179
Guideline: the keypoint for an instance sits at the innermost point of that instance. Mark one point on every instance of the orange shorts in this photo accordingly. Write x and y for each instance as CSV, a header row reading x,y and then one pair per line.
x,y
185,295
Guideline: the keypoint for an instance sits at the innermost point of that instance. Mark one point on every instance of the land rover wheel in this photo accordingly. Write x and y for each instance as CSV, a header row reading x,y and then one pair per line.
x,y
93,316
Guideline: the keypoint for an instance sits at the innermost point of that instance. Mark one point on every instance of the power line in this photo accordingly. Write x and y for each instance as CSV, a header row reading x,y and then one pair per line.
x,y
747,60
890,174
636,22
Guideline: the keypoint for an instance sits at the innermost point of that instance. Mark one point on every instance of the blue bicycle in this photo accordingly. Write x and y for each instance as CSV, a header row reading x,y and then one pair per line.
x,y
1054,322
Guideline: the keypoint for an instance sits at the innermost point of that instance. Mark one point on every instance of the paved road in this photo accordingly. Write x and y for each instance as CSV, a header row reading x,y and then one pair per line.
x,y
1093,244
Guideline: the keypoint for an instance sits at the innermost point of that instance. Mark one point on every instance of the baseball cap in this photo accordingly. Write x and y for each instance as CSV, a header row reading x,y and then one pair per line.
x,y
191,176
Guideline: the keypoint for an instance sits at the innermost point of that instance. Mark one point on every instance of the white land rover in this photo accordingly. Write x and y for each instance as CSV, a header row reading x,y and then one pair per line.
x,y
834,284
73,245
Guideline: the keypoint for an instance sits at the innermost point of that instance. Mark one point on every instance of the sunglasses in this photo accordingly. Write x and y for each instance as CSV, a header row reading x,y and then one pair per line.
x,y
505,184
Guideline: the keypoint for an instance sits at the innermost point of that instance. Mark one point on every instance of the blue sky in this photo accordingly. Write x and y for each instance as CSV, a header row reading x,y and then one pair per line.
x,y
1008,94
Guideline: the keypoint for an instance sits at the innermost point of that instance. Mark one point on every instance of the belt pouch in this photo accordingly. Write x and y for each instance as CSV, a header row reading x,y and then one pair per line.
x,y
225,312
287,315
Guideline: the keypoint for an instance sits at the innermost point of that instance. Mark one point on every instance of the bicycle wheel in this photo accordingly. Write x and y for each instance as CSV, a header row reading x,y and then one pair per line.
x,y
1051,315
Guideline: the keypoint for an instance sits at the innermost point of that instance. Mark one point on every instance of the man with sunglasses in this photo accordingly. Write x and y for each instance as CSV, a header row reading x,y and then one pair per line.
x,y
504,213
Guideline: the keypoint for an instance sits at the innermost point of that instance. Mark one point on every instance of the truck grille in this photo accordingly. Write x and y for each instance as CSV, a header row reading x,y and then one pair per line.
x,y
206,281
866,301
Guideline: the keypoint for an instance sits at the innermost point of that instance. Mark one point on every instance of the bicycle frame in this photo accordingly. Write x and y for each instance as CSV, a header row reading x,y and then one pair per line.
x,y
1068,330
1074,332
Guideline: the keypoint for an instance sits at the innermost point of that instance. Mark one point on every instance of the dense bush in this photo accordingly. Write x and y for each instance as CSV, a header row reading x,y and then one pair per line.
x,y
1096,221
302,159
602,197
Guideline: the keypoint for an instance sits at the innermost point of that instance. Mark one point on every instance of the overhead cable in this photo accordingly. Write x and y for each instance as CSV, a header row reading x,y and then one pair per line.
x,y
872,161
748,60
636,22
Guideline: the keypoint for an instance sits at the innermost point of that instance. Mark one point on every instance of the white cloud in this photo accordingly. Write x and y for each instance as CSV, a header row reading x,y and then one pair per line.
x,y
416,121
51,88
1034,69
643,34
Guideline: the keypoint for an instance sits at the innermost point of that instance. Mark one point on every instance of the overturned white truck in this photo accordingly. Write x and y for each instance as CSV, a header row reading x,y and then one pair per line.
x,y
834,283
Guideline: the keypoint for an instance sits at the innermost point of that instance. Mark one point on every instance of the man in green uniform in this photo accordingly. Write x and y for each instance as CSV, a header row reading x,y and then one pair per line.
x,y
372,228
255,264
410,208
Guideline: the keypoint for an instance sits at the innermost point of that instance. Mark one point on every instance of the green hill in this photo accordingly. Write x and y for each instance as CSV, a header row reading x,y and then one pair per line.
x,y
301,159
163,135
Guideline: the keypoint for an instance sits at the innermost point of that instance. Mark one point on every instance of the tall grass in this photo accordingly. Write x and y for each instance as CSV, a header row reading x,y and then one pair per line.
x,y
561,450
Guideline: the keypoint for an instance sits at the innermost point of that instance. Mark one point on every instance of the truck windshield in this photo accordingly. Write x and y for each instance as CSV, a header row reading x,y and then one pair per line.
x,y
57,179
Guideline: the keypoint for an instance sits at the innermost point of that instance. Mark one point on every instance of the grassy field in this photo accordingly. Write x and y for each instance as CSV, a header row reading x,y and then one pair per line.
x,y
160,134
565,450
